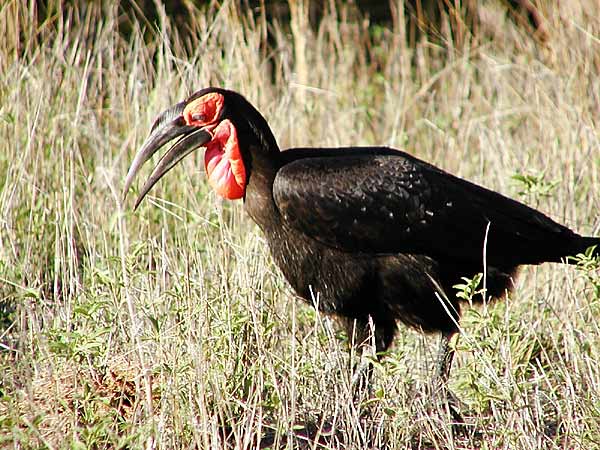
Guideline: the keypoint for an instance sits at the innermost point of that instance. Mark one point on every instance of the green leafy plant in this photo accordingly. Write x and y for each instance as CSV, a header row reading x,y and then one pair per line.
x,y
534,186
469,288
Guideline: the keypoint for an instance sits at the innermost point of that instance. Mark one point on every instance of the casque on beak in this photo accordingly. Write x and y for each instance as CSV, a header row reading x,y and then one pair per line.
x,y
169,125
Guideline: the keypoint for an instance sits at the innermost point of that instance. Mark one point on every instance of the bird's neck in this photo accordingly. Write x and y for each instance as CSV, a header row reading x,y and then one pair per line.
x,y
259,203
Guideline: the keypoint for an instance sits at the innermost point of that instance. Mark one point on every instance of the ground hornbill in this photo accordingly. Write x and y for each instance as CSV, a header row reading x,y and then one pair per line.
x,y
375,234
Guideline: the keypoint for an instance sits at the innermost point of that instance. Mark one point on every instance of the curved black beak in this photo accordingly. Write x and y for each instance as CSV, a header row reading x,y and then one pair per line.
x,y
169,125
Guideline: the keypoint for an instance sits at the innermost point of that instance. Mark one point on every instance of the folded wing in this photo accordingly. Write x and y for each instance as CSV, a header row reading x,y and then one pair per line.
x,y
381,201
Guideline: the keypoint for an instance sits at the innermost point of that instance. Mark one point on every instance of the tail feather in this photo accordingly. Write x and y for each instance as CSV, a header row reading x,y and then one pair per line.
x,y
581,245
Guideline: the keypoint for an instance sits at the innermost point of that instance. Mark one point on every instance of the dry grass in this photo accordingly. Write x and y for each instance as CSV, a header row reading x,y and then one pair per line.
x,y
170,327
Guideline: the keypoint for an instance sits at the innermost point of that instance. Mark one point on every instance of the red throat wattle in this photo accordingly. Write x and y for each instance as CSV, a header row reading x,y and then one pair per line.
x,y
223,162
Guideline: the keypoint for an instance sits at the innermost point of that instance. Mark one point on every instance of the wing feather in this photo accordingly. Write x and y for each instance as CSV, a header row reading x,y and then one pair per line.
x,y
394,203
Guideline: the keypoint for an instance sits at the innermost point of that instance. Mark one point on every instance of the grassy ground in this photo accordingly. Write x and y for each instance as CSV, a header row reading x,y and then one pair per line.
x,y
170,327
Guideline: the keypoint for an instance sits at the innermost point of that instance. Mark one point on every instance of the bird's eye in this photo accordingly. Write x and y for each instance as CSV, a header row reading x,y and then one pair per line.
x,y
204,111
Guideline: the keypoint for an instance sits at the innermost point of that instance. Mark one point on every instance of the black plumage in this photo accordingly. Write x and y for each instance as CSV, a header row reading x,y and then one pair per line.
x,y
372,233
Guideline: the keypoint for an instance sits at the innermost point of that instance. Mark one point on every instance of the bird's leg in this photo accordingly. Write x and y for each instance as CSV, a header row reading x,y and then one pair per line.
x,y
362,336
372,336
446,355
364,369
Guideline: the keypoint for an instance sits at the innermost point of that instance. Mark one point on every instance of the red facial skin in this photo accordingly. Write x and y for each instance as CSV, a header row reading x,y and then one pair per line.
x,y
222,159
204,111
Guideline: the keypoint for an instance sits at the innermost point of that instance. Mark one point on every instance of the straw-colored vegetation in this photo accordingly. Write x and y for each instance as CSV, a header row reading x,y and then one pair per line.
x,y
170,327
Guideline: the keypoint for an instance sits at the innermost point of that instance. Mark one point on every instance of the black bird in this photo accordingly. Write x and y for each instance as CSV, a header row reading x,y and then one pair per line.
x,y
378,235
